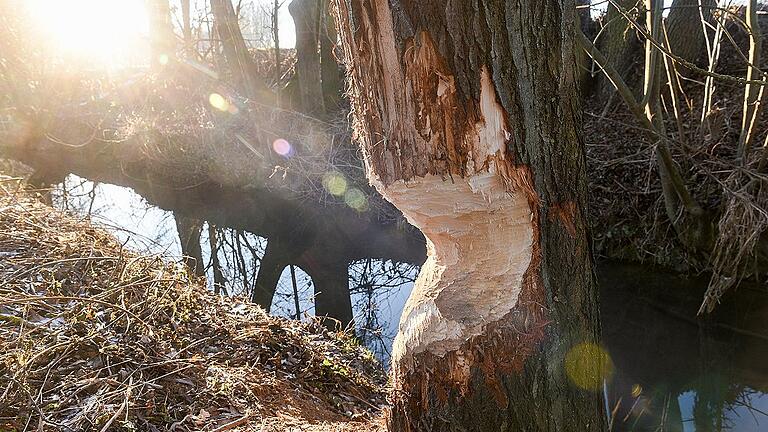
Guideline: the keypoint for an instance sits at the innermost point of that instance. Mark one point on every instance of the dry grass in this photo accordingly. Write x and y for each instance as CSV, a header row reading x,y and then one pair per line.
x,y
95,337
744,219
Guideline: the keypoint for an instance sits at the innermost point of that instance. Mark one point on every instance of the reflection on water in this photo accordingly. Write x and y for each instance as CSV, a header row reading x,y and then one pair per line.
x,y
378,288
669,370
676,372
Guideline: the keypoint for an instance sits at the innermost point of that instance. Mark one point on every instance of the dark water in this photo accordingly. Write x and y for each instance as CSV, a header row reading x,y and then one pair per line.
x,y
674,371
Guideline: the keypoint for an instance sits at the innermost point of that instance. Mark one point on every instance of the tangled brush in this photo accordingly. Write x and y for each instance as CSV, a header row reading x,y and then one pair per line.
x,y
743,221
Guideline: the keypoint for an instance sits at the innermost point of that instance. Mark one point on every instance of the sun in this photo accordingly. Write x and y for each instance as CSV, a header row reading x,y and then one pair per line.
x,y
106,33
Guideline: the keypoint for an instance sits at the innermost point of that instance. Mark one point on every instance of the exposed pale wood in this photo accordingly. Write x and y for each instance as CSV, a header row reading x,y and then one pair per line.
x,y
467,119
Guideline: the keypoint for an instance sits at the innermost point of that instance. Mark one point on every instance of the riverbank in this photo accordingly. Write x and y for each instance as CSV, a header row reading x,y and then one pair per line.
x,y
96,337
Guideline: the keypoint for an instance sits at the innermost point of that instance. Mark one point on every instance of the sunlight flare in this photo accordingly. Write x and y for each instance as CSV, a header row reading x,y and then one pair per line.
x,y
282,147
95,32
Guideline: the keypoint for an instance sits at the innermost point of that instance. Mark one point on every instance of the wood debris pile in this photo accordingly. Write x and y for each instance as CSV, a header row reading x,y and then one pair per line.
x,y
95,337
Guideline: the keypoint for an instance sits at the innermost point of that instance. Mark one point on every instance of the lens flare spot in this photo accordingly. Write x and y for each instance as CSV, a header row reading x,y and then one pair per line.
x,y
356,199
282,147
335,183
163,59
587,365
637,390
218,101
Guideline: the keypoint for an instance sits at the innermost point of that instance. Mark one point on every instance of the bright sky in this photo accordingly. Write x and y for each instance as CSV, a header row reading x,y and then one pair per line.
x,y
92,31
113,33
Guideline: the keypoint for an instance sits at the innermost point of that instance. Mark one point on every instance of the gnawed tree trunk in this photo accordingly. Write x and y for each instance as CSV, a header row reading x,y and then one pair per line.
x,y
306,19
468,122
685,28
189,230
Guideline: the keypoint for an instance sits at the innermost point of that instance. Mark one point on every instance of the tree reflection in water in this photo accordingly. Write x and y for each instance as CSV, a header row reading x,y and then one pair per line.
x,y
674,371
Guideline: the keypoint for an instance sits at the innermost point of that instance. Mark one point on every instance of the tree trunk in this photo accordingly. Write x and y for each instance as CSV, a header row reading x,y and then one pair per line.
x,y
306,19
332,77
586,78
186,28
330,279
219,283
239,60
276,39
270,268
620,44
468,120
685,29
189,236
161,38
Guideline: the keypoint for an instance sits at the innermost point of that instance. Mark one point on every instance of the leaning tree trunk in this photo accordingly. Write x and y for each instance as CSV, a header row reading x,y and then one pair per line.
x,y
239,60
270,269
468,120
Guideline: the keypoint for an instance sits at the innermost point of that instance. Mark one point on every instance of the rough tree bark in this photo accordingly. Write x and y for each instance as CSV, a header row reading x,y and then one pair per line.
x,y
239,60
229,177
306,19
620,45
685,28
331,74
468,120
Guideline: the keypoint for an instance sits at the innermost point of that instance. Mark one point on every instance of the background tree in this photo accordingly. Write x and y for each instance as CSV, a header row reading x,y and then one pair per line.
x,y
161,37
239,60
306,19
477,142
687,27
619,43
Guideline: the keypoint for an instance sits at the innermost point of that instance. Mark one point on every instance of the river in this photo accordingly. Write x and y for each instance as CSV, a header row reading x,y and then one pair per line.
x,y
671,370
